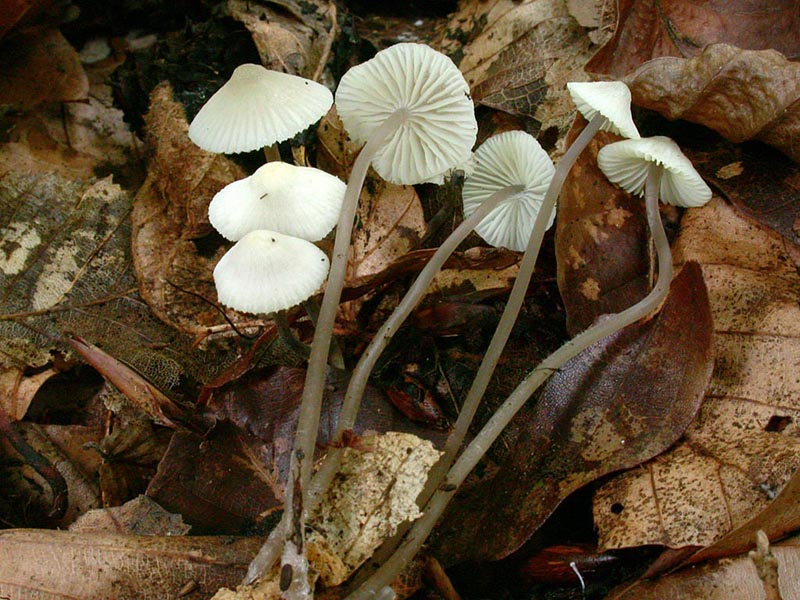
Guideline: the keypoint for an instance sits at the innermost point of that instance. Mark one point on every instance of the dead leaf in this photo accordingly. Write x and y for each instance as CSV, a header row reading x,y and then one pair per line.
x,y
656,28
518,57
742,449
170,212
619,403
374,492
741,94
763,184
17,389
601,245
140,516
233,476
39,65
66,266
736,578
56,565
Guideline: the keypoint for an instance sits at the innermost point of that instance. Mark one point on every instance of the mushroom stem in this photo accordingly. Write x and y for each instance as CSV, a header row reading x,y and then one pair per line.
x,y
361,373
511,310
476,449
302,456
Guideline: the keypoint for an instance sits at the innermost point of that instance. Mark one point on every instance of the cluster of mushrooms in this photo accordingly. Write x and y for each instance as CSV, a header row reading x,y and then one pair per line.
x,y
411,107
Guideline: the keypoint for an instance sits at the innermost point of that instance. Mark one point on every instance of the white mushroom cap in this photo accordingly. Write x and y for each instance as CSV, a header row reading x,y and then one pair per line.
x,y
266,271
510,158
626,163
441,128
612,99
257,108
298,201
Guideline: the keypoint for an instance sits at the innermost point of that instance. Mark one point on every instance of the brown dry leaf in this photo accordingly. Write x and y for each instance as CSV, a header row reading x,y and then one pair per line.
x,y
170,211
390,221
743,447
463,280
655,28
739,578
601,243
518,56
615,405
741,94
291,36
57,565
20,11
18,389
79,140
140,516
38,65
66,267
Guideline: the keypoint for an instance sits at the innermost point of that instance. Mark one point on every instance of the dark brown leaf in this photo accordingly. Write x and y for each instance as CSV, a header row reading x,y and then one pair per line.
x,y
622,401
601,245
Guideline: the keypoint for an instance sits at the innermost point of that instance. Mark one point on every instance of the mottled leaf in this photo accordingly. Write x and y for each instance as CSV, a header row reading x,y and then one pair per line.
x,y
57,565
743,447
619,403
601,243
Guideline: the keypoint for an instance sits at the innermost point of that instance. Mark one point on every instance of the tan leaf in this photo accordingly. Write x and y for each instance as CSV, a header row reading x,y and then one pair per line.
x,y
375,491
170,210
85,566
291,36
743,447
743,578
18,389
741,94
140,516
519,56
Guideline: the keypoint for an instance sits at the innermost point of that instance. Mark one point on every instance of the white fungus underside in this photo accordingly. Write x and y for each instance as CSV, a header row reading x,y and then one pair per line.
x,y
266,271
441,128
612,99
511,158
257,108
297,201
626,163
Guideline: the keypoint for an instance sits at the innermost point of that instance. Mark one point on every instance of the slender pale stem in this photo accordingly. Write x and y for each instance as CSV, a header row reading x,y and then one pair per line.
x,y
512,308
477,448
308,419
360,376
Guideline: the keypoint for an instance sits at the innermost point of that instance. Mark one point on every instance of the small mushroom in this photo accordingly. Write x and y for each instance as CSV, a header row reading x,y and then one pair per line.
x,y
610,99
266,271
628,163
510,158
257,108
298,201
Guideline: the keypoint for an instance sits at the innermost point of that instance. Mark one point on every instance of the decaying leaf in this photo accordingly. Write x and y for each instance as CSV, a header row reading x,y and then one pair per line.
x,y
38,66
56,565
140,516
601,245
742,449
622,401
170,212
18,389
654,28
743,578
741,94
233,476
519,55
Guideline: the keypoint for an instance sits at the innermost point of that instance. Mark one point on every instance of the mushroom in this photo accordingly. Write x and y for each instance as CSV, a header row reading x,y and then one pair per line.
x,y
411,106
299,201
257,108
659,160
266,271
